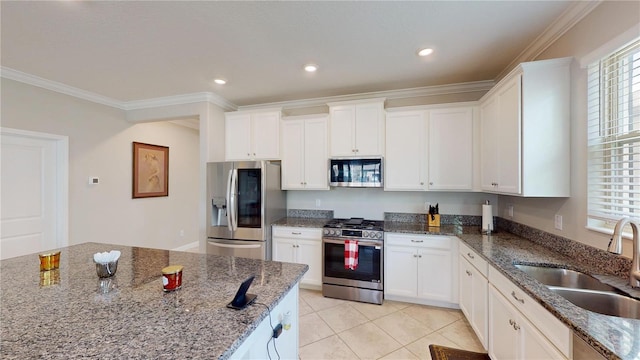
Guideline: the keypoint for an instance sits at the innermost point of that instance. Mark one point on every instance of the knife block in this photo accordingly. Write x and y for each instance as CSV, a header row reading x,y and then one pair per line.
x,y
435,221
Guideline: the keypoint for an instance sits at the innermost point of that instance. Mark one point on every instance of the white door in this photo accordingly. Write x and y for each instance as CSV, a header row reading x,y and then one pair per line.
x,y
34,213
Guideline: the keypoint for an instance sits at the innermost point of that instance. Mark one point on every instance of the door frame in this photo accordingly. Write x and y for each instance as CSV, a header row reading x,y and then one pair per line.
x,y
61,146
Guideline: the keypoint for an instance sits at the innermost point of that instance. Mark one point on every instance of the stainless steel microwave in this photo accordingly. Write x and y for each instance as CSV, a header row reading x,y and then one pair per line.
x,y
355,172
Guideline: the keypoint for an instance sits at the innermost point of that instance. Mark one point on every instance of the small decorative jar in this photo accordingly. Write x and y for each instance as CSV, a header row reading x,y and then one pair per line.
x,y
50,261
172,278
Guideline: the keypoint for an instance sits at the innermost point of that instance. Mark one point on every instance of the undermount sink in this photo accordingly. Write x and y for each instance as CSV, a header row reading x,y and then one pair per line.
x,y
551,276
602,302
585,291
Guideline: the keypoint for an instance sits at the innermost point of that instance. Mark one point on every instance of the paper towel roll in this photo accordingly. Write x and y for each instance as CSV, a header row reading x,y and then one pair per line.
x,y
487,218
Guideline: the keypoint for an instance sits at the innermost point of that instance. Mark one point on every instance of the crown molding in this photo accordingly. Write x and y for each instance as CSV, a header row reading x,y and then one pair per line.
x,y
388,94
181,100
568,19
29,79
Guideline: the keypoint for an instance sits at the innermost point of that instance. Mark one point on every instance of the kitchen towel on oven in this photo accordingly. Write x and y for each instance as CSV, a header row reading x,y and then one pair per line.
x,y
351,254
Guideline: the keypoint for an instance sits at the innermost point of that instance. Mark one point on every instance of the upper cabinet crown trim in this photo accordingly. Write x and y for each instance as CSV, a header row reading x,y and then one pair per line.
x,y
359,101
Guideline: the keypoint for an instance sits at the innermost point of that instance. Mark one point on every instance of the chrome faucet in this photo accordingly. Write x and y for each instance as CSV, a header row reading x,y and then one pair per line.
x,y
615,246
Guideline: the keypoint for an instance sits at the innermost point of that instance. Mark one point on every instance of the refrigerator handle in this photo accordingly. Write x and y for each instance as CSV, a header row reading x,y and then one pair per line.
x,y
234,199
229,212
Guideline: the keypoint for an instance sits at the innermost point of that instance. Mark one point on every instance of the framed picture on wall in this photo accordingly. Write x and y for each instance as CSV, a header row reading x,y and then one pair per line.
x,y
150,170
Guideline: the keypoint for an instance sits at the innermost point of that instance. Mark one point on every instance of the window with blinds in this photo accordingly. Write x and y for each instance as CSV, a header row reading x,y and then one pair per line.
x,y
614,137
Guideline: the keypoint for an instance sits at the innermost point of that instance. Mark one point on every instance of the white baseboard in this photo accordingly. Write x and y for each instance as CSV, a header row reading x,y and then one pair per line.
x,y
188,246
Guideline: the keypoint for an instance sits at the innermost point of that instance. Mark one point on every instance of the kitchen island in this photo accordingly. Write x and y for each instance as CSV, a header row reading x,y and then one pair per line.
x,y
71,313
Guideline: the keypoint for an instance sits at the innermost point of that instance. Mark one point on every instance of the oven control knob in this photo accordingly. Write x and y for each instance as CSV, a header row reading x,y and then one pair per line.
x,y
333,232
379,235
326,231
365,234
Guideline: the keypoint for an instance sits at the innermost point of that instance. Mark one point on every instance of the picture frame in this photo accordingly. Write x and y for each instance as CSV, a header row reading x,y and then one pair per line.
x,y
150,170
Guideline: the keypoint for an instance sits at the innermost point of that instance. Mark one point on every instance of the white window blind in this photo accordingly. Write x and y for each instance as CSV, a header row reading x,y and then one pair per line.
x,y
614,137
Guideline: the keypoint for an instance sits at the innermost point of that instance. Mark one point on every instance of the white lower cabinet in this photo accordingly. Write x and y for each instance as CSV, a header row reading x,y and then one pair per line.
x,y
512,336
474,288
421,269
301,246
520,328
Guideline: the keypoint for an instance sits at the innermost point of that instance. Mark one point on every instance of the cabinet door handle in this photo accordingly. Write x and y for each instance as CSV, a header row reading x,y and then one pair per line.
x,y
296,233
416,241
514,324
470,255
421,183
431,183
521,301
420,256
468,272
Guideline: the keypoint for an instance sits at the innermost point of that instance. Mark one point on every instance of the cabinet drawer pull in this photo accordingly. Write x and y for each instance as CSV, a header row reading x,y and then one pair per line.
x,y
296,233
511,322
470,255
521,301
416,241
516,327
468,272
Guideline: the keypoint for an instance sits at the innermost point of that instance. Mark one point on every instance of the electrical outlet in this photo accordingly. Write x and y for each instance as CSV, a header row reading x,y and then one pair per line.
x,y
510,211
318,202
558,222
426,205
181,233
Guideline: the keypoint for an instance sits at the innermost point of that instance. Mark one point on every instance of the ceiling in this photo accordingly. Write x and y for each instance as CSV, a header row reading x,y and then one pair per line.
x,y
130,51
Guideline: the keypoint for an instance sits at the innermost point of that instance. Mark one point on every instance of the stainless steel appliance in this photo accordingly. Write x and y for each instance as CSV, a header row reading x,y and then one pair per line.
x,y
365,283
360,172
245,198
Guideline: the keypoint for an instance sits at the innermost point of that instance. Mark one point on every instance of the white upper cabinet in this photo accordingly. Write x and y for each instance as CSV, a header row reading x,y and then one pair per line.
x,y
252,135
405,164
451,149
430,149
357,128
525,131
304,153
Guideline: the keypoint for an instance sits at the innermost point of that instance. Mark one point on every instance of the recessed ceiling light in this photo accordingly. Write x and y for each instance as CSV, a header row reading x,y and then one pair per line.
x,y
425,52
311,68
220,81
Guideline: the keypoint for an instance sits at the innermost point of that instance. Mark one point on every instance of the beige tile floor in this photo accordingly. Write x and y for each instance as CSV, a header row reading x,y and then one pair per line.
x,y
339,329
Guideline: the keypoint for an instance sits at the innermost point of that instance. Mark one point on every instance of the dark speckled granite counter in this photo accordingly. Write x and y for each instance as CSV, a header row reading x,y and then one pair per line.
x,y
615,338
301,222
75,318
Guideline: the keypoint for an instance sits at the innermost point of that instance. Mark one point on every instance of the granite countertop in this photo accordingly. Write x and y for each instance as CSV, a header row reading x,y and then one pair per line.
x,y
614,337
71,313
301,222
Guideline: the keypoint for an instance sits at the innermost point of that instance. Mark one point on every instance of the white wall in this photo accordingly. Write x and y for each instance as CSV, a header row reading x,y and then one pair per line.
x,y
373,203
606,22
100,144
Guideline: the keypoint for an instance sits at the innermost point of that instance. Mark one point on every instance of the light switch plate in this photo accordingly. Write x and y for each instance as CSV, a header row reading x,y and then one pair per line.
x,y
94,180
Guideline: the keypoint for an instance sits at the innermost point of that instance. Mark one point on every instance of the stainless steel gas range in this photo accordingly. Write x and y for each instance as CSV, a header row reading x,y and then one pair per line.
x,y
365,281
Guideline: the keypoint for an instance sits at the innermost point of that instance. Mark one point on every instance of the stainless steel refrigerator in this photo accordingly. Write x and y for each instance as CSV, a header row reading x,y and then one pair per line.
x,y
245,198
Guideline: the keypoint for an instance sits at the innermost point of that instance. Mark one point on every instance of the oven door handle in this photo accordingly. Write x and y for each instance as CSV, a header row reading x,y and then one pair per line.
x,y
371,243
